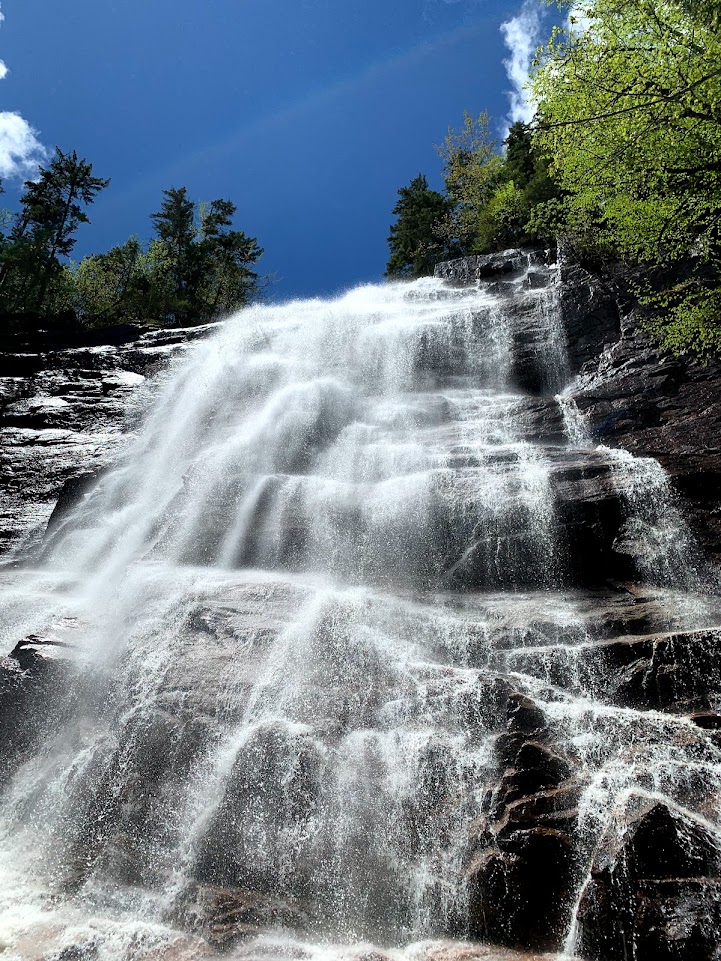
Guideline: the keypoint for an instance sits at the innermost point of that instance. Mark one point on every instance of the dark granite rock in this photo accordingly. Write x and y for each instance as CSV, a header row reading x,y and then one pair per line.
x,y
654,893
63,413
590,313
655,405
526,835
226,915
470,270
36,694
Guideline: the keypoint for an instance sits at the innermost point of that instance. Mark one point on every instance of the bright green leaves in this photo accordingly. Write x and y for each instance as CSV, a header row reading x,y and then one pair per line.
x,y
629,113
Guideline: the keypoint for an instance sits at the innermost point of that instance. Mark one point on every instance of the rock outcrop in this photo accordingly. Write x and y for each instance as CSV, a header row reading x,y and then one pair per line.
x,y
647,401
64,408
460,711
659,882
655,885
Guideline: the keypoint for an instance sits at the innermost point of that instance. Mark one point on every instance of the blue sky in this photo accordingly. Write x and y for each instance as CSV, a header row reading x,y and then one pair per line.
x,y
308,114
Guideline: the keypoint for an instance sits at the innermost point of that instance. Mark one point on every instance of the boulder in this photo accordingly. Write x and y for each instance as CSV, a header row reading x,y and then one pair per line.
x,y
654,893
526,835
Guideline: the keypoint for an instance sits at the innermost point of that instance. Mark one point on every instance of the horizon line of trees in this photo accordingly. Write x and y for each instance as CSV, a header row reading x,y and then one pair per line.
x,y
622,163
195,268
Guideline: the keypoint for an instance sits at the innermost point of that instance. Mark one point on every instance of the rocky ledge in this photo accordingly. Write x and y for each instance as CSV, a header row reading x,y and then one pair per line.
x,y
631,394
64,409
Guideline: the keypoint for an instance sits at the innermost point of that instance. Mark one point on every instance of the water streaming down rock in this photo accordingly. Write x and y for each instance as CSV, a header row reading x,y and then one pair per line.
x,y
343,662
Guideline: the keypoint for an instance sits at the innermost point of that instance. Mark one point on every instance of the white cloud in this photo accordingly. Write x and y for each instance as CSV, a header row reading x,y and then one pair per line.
x,y
521,35
20,149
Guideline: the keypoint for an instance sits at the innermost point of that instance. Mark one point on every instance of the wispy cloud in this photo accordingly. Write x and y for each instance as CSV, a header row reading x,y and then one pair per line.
x,y
20,149
521,35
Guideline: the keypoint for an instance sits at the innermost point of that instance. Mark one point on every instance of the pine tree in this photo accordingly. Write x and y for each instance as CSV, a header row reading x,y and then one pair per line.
x,y
210,265
44,230
414,242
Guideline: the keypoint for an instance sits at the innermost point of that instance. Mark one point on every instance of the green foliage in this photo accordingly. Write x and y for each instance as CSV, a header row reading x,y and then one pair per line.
x,y
227,256
493,194
195,269
501,221
52,209
109,288
415,241
687,318
630,114
472,170
205,267
489,203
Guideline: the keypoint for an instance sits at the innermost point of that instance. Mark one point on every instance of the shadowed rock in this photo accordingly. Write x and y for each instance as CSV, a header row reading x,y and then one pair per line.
x,y
654,893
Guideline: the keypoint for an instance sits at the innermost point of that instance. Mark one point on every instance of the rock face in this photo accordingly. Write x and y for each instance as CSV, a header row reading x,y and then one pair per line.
x,y
653,889
660,882
418,659
63,411
645,401
527,835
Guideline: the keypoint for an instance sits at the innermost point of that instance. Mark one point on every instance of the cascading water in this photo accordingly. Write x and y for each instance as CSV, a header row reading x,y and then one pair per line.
x,y
290,614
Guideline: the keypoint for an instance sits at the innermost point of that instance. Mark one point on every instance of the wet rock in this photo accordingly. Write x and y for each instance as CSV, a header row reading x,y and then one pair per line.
x,y
679,672
654,893
470,270
70,496
63,412
590,312
36,696
124,801
526,835
226,915
273,785
708,720
656,405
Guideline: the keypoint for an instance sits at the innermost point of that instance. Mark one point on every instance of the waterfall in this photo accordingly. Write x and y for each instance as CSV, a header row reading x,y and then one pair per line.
x,y
283,632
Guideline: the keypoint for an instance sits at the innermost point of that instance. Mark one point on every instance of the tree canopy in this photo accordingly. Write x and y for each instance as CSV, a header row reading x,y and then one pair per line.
x,y
630,115
622,161
415,238
52,209
488,203
195,268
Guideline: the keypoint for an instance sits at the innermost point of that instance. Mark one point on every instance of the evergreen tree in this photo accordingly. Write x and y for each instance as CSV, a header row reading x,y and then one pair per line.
x,y
414,241
203,266
228,257
52,209
176,231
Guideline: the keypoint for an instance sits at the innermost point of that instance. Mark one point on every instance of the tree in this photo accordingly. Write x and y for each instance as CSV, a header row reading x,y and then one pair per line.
x,y
52,209
228,258
176,232
414,242
506,216
204,266
630,114
472,169
106,288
